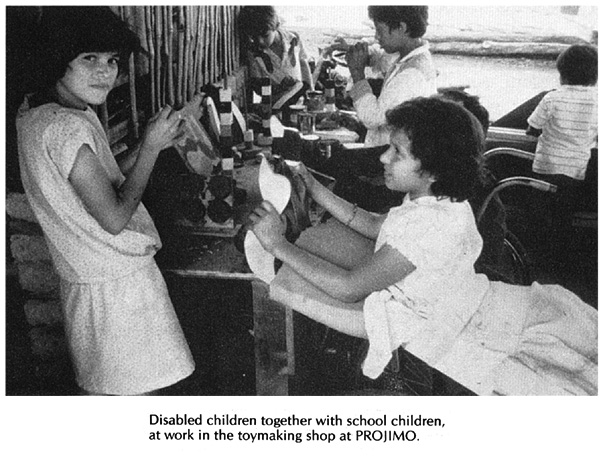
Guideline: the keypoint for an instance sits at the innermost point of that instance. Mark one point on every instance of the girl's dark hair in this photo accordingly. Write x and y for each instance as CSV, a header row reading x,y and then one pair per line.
x,y
470,102
255,21
68,31
415,17
578,65
447,139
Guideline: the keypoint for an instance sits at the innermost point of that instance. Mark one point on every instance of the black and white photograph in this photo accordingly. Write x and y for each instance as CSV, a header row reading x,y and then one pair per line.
x,y
379,212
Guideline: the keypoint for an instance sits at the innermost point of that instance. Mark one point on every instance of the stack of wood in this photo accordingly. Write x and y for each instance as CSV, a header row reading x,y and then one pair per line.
x,y
30,262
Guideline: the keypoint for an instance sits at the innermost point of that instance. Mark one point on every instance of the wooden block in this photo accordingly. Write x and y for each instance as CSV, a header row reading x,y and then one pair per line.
x,y
18,207
48,342
43,312
24,227
27,248
38,277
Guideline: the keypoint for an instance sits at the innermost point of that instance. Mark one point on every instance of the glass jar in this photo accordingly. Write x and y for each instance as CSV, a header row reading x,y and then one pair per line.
x,y
315,100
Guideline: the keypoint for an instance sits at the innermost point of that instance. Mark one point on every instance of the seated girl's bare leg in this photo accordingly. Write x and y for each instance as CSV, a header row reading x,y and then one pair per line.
x,y
340,245
83,392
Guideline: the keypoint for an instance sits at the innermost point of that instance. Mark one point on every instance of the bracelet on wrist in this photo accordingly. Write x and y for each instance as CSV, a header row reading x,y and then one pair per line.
x,y
354,212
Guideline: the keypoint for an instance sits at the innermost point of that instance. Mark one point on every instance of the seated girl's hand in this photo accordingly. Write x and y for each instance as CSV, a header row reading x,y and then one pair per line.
x,y
268,226
162,130
304,174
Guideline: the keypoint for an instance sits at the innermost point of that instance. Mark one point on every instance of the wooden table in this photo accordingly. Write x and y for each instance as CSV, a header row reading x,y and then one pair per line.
x,y
218,258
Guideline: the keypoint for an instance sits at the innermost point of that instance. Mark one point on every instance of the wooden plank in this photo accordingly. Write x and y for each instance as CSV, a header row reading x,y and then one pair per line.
x,y
214,47
180,65
272,332
205,274
159,79
289,341
168,50
270,335
118,131
207,35
151,50
201,44
192,22
186,57
198,48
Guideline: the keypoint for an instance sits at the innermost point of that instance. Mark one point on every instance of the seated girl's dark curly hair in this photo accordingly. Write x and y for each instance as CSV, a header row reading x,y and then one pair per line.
x,y
447,139
68,31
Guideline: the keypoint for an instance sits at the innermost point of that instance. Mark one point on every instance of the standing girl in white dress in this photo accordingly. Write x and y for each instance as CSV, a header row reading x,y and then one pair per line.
x,y
417,288
121,327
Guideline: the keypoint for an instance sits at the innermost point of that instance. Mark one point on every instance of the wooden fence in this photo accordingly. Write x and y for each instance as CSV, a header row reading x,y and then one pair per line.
x,y
188,47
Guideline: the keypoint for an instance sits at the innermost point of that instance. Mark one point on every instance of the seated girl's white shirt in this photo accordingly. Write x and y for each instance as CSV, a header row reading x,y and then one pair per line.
x,y
427,310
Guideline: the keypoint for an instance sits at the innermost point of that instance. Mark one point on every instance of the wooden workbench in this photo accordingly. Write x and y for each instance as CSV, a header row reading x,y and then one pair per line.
x,y
216,257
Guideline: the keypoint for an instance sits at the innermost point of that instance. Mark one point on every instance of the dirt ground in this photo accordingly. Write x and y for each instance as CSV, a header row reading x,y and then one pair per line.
x,y
525,23
488,77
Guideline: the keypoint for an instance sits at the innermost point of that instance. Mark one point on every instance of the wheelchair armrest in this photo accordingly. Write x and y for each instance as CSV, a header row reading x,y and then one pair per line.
x,y
514,181
508,151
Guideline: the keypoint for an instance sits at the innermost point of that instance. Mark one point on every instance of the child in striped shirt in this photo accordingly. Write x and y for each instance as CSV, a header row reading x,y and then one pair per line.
x,y
565,122
566,119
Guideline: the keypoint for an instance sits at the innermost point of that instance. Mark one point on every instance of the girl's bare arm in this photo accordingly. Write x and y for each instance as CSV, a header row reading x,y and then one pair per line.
x,y
114,206
127,159
386,267
364,222
195,107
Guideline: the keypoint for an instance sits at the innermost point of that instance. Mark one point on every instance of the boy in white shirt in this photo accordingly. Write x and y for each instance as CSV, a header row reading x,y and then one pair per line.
x,y
399,31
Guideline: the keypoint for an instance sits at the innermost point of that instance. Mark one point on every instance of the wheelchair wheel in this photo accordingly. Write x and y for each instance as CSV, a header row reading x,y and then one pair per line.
x,y
514,265
517,260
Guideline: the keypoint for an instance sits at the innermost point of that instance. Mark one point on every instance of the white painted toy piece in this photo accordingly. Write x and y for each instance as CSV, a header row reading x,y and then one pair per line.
x,y
260,261
214,118
239,118
276,189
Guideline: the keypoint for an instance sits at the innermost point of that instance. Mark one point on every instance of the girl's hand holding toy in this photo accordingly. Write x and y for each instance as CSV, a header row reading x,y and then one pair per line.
x,y
162,130
268,226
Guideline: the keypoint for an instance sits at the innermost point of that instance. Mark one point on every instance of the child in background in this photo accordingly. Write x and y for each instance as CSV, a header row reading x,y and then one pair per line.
x,y
418,288
273,52
121,327
493,225
411,73
566,123
566,119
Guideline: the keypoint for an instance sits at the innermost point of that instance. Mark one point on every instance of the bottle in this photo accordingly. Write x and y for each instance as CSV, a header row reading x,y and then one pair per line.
x,y
330,95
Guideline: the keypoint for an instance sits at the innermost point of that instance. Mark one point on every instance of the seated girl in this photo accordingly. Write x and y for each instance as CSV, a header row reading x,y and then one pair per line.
x,y
275,53
417,288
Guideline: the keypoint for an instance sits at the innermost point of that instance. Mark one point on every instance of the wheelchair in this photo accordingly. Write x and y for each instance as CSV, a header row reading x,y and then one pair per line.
x,y
514,264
